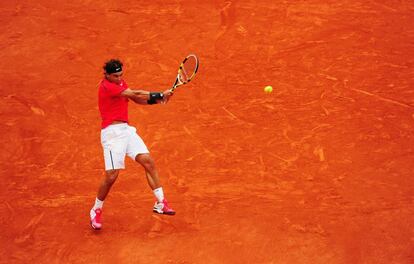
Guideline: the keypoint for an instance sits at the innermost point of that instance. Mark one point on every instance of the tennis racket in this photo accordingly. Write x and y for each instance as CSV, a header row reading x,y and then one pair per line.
x,y
186,72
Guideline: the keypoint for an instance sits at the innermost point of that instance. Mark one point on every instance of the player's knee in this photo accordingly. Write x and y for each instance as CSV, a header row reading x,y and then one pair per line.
x,y
111,176
149,165
146,161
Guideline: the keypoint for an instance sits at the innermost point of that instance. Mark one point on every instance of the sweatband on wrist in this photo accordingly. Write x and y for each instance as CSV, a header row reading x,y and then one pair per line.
x,y
154,96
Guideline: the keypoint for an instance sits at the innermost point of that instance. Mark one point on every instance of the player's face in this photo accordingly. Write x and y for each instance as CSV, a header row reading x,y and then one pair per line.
x,y
115,77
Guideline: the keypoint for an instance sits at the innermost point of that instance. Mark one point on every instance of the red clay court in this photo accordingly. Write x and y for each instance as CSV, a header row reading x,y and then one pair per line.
x,y
318,171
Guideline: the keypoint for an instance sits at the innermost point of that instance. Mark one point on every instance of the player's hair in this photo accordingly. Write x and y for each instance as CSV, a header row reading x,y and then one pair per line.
x,y
113,65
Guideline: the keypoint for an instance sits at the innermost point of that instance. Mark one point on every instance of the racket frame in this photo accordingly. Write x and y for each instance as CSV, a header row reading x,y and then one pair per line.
x,y
178,82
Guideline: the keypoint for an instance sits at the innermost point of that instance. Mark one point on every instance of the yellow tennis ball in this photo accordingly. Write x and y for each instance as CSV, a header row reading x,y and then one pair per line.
x,y
268,89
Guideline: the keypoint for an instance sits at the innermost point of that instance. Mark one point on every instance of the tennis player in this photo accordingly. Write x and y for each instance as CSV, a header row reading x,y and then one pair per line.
x,y
119,139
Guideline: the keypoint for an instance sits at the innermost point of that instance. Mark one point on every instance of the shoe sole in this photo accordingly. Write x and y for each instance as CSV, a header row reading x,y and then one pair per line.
x,y
95,228
171,213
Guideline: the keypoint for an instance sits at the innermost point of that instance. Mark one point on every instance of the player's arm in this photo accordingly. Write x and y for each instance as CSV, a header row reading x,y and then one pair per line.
x,y
138,96
146,97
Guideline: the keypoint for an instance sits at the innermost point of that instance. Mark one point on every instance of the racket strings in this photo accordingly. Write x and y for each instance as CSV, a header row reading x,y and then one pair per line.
x,y
183,75
188,69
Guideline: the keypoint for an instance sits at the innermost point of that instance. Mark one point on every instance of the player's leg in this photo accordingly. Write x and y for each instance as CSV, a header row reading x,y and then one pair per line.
x,y
104,188
114,141
152,175
161,206
108,181
137,150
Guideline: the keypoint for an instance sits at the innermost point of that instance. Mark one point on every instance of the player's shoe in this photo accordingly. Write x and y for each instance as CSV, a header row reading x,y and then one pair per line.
x,y
163,208
96,221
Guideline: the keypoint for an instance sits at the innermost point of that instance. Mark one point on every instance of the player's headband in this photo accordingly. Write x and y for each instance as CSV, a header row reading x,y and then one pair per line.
x,y
113,69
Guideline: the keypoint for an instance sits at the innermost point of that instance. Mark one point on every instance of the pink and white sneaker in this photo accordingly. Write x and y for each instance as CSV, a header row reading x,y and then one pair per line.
x,y
96,221
163,208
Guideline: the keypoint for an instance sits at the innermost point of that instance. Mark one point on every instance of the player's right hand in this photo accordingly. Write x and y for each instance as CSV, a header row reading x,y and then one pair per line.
x,y
167,94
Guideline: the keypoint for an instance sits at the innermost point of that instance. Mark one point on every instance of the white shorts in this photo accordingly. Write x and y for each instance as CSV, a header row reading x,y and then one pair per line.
x,y
119,140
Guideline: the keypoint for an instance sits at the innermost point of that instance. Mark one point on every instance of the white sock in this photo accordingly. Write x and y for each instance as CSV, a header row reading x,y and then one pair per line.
x,y
159,194
98,204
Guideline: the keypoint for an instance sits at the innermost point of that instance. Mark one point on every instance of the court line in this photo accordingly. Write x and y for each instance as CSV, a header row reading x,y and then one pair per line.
x,y
383,98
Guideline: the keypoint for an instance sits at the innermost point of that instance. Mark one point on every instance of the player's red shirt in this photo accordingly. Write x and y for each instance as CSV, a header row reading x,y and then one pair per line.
x,y
112,105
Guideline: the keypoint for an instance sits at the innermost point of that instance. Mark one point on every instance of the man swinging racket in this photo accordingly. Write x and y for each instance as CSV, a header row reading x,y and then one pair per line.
x,y
118,138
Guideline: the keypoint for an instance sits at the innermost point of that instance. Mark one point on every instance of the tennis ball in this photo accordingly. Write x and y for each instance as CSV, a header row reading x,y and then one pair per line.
x,y
268,89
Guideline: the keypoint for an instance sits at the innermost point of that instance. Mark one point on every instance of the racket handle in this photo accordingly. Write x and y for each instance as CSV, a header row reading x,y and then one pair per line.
x,y
173,88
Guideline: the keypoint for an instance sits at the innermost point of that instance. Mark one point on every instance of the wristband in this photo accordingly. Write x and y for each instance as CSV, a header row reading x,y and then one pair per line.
x,y
154,96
